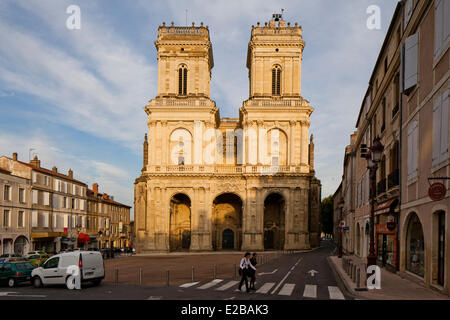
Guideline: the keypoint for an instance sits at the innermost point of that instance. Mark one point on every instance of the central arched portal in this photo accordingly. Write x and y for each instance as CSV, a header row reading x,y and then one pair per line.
x,y
180,222
274,222
227,222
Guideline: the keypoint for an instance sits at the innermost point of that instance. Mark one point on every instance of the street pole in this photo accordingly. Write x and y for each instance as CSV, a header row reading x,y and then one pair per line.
x,y
371,258
341,207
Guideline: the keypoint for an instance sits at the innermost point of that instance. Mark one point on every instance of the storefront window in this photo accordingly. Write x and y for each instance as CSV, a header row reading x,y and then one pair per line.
x,y
415,247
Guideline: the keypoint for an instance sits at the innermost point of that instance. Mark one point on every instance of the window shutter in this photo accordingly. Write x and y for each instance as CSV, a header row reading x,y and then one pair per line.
x,y
46,218
367,187
35,196
438,26
34,219
46,198
436,131
411,54
444,126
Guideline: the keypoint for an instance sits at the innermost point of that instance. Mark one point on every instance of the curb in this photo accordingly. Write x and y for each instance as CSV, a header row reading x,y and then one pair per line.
x,y
343,282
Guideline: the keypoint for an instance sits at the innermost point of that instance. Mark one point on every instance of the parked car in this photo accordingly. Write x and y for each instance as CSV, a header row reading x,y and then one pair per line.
x,y
38,259
15,272
54,270
32,253
9,257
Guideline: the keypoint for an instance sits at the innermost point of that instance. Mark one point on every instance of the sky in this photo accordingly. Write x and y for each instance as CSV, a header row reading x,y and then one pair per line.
x,y
76,96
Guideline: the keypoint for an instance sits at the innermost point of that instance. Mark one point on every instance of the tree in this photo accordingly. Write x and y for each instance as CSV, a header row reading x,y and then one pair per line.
x,y
326,215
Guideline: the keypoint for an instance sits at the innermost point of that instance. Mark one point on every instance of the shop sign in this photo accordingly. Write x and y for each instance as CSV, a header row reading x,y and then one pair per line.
x,y
437,191
391,224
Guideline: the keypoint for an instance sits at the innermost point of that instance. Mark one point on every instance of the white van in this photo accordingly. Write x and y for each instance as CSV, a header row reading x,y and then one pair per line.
x,y
54,270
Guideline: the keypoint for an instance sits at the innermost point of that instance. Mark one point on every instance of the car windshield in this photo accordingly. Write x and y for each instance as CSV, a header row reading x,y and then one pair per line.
x,y
24,266
34,257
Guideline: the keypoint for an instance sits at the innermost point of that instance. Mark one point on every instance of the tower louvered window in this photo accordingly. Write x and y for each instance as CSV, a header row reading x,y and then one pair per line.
x,y
182,81
276,81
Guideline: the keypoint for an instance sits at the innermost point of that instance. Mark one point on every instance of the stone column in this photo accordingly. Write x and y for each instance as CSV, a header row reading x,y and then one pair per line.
x,y
292,124
304,142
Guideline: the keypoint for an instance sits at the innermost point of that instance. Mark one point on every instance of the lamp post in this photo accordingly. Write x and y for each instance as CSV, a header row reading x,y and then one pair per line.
x,y
341,209
373,158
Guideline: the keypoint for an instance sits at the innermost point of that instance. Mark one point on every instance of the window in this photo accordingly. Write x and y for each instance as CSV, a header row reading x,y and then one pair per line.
x,y
6,218
276,81
34,219
440,129
182,80
383,123
21,195
413,139
396,95
51,263
7,193
410,51
45,222
441,26
73,203
20,220
46,198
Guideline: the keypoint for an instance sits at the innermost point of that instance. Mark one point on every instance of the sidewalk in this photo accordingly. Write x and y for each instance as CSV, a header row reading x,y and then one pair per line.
x,y
393,287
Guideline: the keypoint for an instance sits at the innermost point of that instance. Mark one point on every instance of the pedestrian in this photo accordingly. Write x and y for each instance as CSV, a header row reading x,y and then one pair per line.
x,y
254,262
244,267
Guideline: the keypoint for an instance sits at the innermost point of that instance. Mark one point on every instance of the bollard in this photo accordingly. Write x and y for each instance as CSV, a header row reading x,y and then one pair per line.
x,y
214,272
140,276
167,278
116,280
192,274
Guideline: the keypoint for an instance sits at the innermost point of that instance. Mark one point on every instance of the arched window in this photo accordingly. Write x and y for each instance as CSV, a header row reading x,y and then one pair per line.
x,y
276,80
182,80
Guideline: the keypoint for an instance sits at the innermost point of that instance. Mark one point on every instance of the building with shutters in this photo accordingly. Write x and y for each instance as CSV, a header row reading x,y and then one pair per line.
x,y
406,106
212,183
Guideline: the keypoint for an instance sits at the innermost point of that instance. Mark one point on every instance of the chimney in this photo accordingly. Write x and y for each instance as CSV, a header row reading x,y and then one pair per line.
x,y
54,169
36,162
15,156
95,188
70,173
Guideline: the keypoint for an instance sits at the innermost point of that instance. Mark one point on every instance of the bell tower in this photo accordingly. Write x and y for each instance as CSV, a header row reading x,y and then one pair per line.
x,y
274,59
185,60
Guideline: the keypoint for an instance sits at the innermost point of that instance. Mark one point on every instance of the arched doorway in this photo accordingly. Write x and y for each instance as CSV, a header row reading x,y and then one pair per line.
x,y
415,256
180,222
227,239
274,222
227,222
21,245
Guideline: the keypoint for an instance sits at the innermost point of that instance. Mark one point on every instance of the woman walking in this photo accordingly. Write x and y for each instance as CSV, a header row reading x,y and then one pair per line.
x,y
244,268
253,262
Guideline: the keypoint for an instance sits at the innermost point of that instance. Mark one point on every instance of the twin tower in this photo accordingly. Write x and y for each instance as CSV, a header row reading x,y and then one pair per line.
x,y
211,183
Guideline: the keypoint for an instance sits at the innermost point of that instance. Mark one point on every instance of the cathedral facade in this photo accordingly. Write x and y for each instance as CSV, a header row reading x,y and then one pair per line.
x,y
212,183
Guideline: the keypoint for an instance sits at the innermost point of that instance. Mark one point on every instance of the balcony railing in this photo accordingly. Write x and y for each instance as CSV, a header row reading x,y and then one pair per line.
x,y
394,179
381,186
228,169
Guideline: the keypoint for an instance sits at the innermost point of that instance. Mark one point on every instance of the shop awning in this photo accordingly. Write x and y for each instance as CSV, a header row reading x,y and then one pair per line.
x,y
83,238
385,207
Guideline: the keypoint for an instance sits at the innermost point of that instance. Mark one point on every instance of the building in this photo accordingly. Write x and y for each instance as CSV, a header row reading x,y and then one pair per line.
x,y
424,223
337,212
63,212
211,183
406,106
108,221
58,204
15,214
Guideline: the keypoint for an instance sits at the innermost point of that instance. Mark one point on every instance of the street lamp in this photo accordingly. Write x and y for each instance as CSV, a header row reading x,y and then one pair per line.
x,y
341,209
373,158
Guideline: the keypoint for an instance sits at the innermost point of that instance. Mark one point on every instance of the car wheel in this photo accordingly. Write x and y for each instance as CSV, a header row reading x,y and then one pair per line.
x,y
11,282
37,282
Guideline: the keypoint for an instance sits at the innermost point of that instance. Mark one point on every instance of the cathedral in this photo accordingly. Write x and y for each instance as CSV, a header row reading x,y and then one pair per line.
x,y
212,183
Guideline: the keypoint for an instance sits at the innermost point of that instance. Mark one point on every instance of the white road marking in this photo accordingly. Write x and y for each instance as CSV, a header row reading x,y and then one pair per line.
x,y
335,293
232,298
266,287
210,284
287,289
227,285
310,291
189,284
287,275
154,298
263,273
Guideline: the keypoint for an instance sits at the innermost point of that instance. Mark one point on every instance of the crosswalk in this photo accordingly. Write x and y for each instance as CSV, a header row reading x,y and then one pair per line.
x,y
310,291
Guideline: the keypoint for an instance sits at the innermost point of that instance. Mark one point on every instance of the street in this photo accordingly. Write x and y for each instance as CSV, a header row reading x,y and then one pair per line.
x,y
296,276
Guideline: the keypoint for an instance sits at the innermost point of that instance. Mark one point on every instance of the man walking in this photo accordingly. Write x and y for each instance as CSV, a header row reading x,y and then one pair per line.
x,y
244,271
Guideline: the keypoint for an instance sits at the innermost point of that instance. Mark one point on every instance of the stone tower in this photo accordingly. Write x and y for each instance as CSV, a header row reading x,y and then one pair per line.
x,y
211,183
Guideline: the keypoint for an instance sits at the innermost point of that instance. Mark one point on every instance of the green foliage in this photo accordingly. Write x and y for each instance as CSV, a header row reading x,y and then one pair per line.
x,y
326,215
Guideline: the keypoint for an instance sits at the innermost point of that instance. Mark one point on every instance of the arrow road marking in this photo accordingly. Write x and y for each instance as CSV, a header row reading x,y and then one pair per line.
x,y
263,273
312,272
